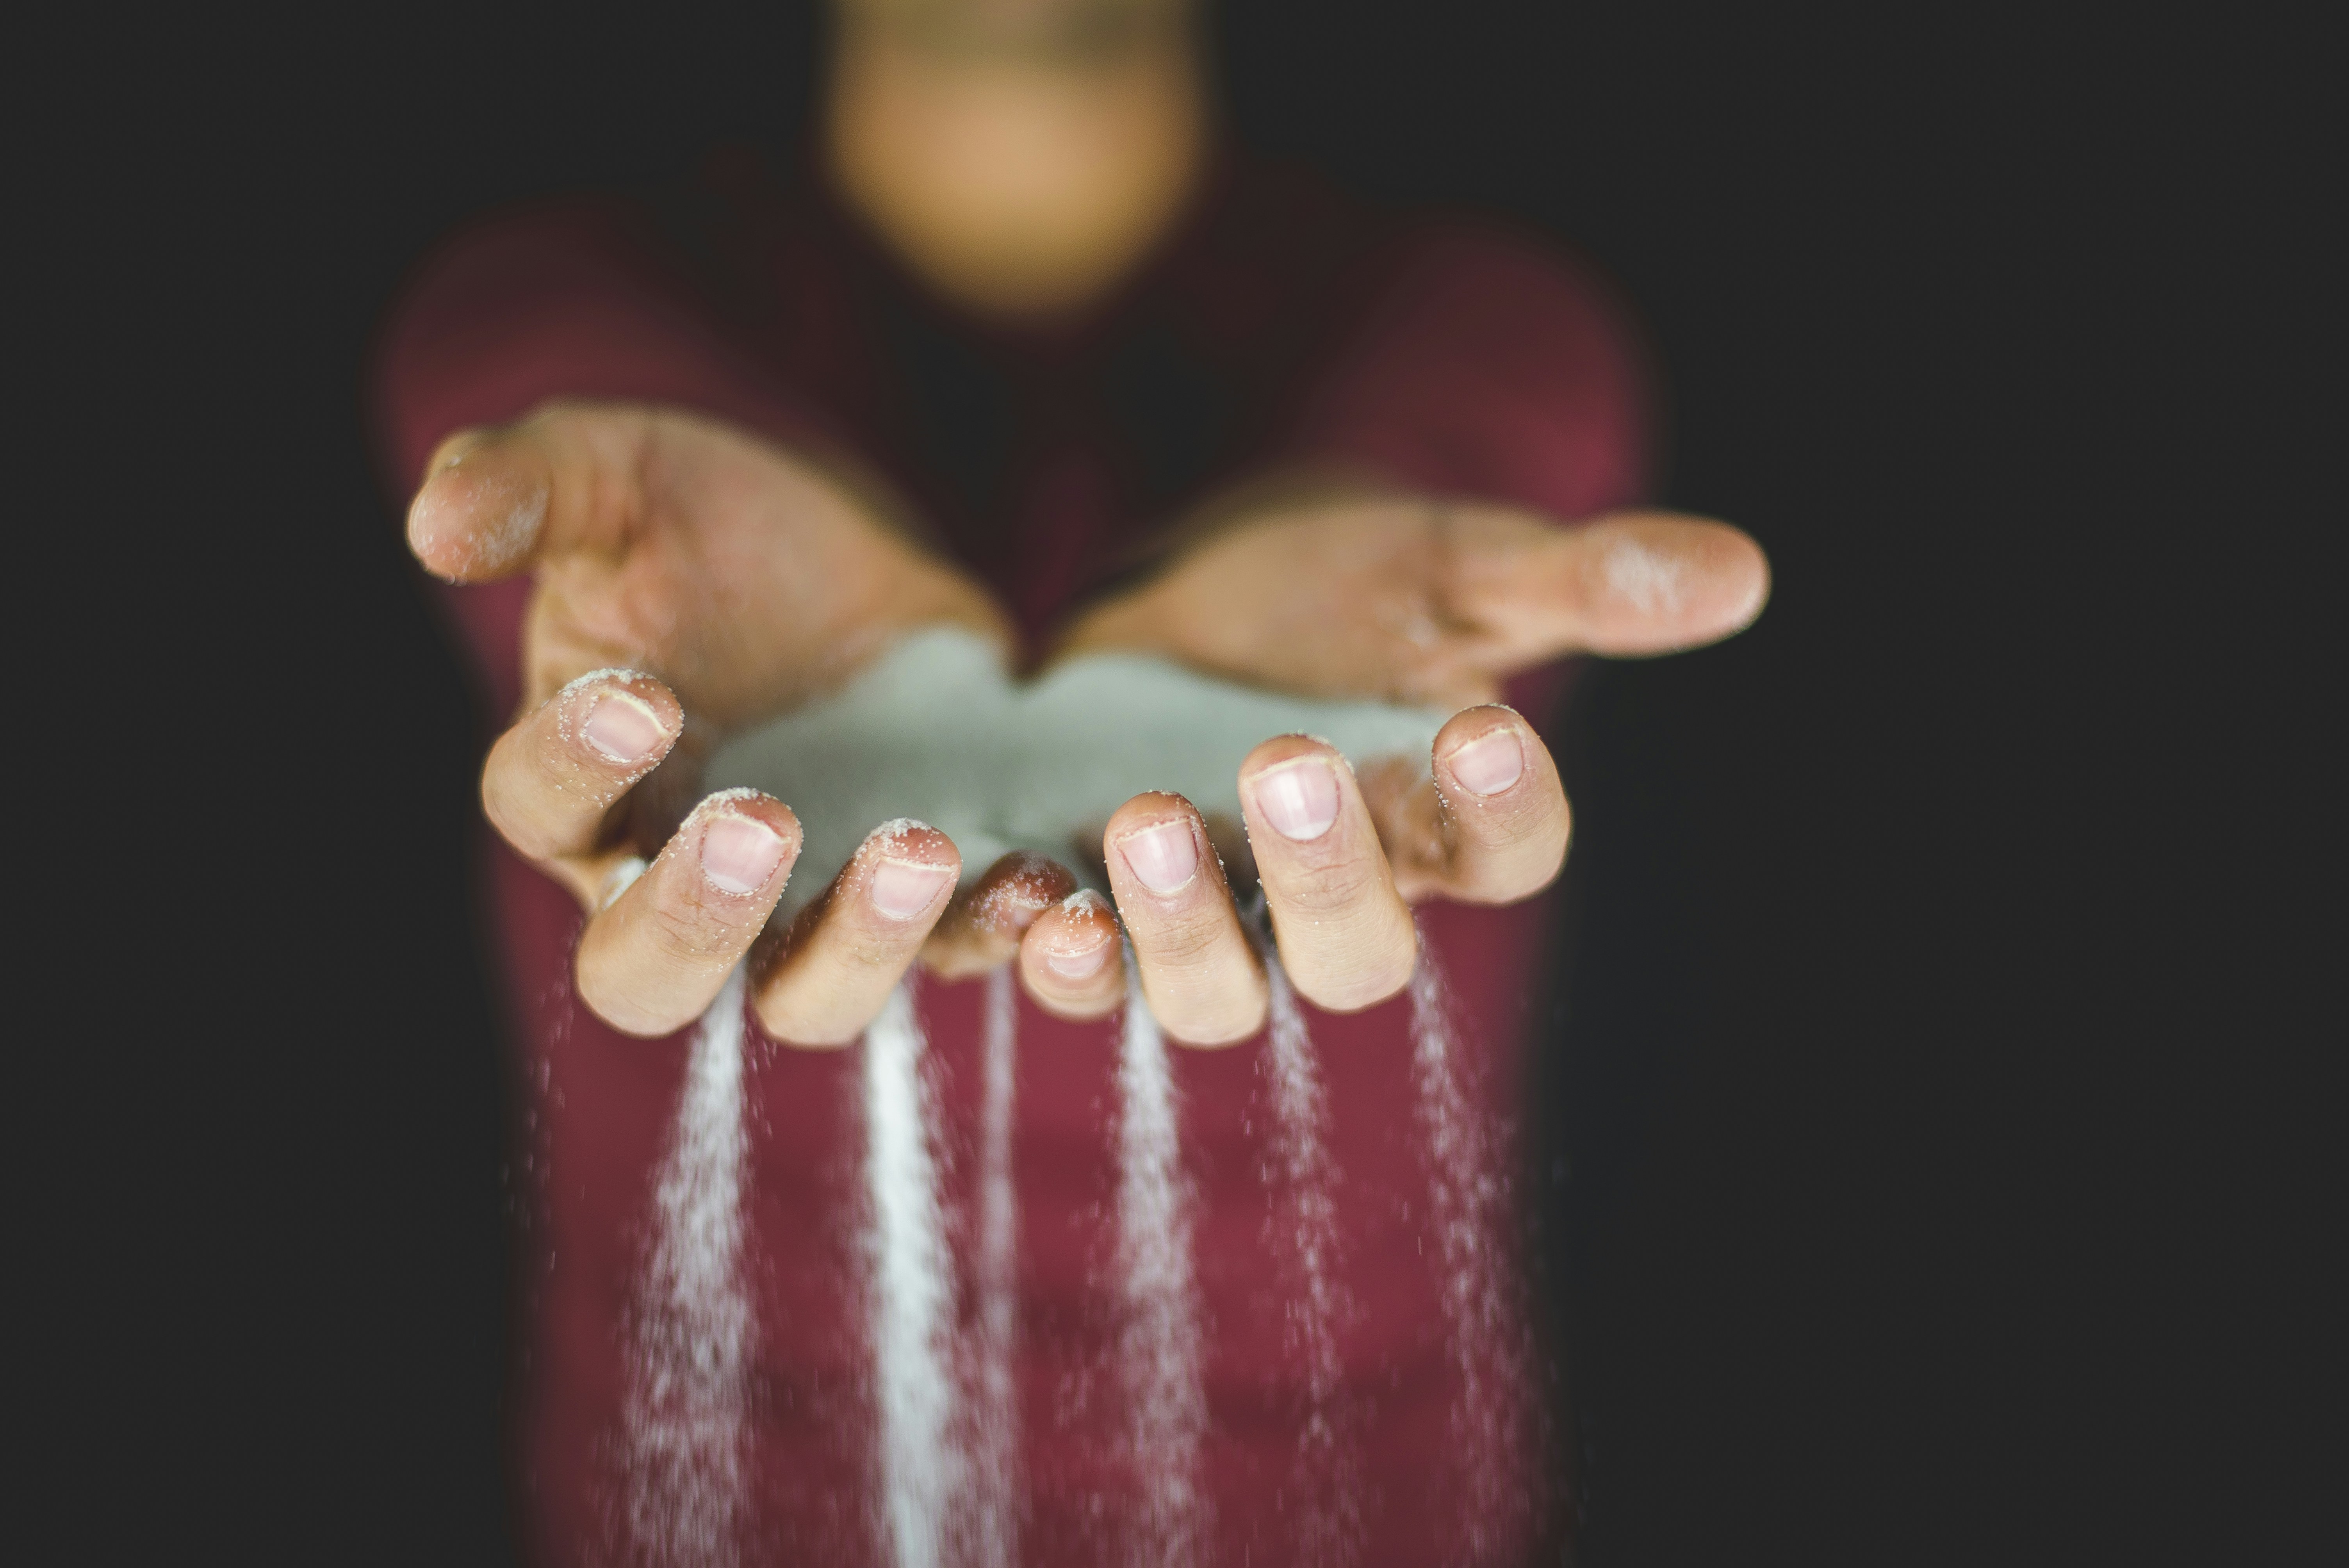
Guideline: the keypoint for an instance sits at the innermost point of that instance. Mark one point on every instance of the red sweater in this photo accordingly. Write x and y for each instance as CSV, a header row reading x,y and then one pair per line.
x,y
1279,326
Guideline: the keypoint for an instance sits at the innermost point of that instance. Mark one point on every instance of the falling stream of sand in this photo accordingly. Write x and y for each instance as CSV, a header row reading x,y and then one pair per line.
x,y
950,1477
1326,1506
922,1469
684,1414
994,1511
1490,1358
1158,1351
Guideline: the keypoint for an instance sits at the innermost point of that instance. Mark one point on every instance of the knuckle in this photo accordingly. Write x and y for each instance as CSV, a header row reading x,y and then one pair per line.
x,y
1184,942
882,957
1333,888
684,932
1525,828
1363,978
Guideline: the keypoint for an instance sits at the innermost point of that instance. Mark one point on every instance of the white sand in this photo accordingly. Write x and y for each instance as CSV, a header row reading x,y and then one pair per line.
x,y
1491,1356
922,1468
1159,1349
1327,1511
995,1477
684,1415
934,730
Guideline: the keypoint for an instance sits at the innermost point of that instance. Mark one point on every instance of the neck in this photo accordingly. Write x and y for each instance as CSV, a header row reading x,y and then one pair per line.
x,y
1019,174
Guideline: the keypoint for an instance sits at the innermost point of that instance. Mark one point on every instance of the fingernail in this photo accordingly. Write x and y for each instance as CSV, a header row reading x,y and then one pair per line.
x,y
622,729
1299,798
739,853
1165,857
904,889
1078,966
1490,763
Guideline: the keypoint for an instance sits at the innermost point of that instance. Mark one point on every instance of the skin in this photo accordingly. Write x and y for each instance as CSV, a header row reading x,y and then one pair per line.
x,y
689,579
1020,154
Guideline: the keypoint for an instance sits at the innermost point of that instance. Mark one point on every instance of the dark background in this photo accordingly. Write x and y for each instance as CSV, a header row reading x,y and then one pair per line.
x,y
1931,1131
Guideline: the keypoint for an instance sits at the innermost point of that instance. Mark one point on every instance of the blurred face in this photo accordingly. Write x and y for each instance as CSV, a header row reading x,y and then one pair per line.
x,y
1020,154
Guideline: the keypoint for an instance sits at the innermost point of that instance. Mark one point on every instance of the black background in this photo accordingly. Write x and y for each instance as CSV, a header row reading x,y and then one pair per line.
x,y
1928,1123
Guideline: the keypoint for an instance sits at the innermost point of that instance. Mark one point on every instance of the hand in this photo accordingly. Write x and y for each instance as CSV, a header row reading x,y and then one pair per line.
x,y
1422,601
1393,597
689,579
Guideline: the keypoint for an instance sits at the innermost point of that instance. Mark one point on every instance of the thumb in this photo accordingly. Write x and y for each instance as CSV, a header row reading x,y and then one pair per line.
x,y
1630,583
494,502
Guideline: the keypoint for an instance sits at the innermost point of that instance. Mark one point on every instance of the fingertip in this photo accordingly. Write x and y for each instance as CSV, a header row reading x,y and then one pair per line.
x,y
1749,568
982,929
1291,783
550,778
1659,582
1069,958
1201,975
623,717
910,869
844,953
747,842
1505,822
1141,810
908,838
1156,839
478,514
666,935
743,801
1485,750
1017,890
1285,748
1077,938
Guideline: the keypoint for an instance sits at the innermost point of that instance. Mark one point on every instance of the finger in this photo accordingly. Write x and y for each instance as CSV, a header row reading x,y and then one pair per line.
x,y
828,977
1627,584
1346,936
1490,826
1068,960
494,500
1198,972
982,928
552,779
654,960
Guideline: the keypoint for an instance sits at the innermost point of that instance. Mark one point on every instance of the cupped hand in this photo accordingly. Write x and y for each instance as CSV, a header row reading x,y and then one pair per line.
x,y
1428,601
687,579
1372,596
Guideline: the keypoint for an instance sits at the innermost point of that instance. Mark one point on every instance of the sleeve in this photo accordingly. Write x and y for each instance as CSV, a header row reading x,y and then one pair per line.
x,y
574,300
1482,365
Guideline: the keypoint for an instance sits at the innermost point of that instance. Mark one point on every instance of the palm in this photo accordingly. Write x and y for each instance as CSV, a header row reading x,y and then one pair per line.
x,y
746,578
1426,602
